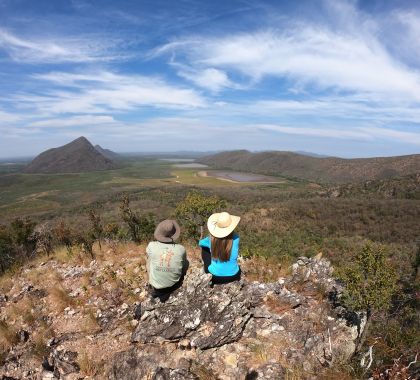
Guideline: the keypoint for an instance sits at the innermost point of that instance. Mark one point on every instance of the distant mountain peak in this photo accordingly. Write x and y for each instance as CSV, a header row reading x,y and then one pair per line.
x,y
77,156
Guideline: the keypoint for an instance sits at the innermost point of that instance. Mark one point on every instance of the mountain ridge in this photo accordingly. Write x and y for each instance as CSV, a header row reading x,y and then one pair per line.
x,y
318,169
108,153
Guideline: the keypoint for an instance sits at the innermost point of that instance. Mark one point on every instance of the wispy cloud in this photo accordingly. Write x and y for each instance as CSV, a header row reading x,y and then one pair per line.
x,y
345,52
106,92
7,117
341,107
209,78
358,133
219,75
308,56
76,121
41,50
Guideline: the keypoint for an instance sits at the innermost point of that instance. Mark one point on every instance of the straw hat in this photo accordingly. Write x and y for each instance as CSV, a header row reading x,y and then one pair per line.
x,y
167,231
222,224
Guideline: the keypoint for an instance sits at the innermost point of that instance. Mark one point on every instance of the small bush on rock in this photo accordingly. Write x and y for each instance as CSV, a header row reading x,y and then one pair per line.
x,y
369,284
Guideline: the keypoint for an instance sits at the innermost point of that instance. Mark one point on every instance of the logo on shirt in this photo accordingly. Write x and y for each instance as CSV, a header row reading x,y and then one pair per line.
x,y
165,261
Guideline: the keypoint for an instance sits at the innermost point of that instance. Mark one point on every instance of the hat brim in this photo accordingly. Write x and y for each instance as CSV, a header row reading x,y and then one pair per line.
x,y
167,239
221,232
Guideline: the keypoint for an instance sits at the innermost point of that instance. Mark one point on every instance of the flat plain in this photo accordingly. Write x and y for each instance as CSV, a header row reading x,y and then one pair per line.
x,y
38,194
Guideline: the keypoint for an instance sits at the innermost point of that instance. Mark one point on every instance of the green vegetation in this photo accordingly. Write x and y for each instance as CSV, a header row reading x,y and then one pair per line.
x,y
140,227
194,211
369,284
280,222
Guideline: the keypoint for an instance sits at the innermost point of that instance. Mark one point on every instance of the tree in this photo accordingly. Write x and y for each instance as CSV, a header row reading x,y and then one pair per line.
x,y
97,229
86,240
43,238
64,235
22,234
6,248
195,209
369,284
111,231
141,227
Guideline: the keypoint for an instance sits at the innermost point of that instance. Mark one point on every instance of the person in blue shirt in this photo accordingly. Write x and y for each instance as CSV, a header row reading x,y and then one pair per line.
x,y
220,250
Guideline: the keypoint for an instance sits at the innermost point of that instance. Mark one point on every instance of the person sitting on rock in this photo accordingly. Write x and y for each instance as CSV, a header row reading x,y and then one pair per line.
x,y
166,261
220,250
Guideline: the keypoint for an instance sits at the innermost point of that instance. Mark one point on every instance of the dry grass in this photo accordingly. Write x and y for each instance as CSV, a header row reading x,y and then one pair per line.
x,y
6,282
39,348
88,366
340,372
59,299
35,276
265,269
259,352
8,336
91,324
202,372
277,306
294,373
63,255
23,310
117,253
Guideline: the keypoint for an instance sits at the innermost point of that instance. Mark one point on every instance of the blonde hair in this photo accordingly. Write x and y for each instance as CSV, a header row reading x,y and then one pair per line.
x,y
221,247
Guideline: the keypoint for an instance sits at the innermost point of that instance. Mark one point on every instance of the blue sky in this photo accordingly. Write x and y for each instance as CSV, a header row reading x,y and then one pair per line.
x,y
333,77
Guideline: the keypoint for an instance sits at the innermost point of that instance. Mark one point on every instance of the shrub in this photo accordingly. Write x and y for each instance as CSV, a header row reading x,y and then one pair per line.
x,y
369,284
6,248
43,237
111,231
97,229
141,227
195,209
21,232
64,235
86,241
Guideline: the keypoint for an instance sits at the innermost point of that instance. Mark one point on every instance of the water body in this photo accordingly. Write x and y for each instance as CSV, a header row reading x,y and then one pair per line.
x,y
241,177
177,159
192,165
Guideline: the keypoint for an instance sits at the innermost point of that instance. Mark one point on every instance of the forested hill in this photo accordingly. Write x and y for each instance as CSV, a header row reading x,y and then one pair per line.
x,y
319,169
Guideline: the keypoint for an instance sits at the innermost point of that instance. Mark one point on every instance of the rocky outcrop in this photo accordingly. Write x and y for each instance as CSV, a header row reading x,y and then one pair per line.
x,y
204,316
241,330
101,323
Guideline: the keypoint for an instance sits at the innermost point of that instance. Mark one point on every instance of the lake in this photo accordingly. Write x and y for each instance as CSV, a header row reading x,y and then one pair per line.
x,y
191,165
239,176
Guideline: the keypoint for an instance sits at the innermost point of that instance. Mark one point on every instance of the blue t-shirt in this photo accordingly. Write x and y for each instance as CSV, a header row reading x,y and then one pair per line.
x,y
226,268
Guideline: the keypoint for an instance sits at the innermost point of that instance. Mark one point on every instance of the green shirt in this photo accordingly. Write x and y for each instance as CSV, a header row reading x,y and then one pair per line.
x,y
166,263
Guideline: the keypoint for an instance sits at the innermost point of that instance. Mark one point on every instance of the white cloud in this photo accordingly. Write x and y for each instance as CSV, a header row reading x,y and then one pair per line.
x,y
358,133
210,78
76,121
407,41
308,55
6,117
78,79
41,50
317,132
344,51
392,134
343,107
106,92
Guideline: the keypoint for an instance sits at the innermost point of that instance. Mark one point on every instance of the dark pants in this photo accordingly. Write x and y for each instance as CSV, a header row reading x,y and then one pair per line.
x,y
164,293
206,257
